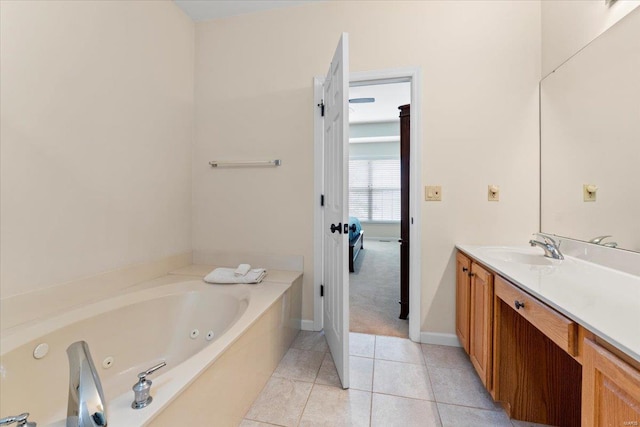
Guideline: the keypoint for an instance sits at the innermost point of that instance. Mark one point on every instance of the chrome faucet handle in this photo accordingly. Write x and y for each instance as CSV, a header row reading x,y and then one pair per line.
x,y
548,240
142,388
143,375
21,420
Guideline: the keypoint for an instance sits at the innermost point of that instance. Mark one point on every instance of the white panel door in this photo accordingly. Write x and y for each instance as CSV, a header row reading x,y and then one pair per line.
x,y
335,233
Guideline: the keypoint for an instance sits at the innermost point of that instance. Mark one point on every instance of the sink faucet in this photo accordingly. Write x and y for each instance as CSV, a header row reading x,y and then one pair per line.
x,y
551,248
86,407
599,241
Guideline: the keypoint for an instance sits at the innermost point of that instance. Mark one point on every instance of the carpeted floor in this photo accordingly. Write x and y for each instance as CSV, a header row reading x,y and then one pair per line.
x,y
374,291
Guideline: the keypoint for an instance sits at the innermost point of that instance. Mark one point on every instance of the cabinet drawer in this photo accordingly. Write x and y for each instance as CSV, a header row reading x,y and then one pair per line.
x,y
556,327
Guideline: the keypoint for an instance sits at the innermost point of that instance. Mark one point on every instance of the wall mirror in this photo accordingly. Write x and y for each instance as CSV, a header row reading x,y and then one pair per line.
x,y
590,141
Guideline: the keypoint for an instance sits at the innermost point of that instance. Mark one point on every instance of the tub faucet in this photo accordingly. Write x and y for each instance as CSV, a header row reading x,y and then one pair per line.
x,y
551,248
86,407
20,420
142,388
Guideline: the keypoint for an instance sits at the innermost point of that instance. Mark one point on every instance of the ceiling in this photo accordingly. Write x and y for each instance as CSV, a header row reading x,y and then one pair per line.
x,y
388,97
203,10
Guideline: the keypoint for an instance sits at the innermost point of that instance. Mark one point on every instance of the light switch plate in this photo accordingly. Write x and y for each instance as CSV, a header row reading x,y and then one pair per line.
x,y
433,193
589,196
493,193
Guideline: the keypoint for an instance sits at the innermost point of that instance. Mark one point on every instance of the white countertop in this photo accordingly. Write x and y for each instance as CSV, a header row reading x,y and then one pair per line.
x,y
603,300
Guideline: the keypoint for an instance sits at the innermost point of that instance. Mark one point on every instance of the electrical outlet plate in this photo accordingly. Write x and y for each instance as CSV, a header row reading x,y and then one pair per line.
x,y
493,193
589,196
433,193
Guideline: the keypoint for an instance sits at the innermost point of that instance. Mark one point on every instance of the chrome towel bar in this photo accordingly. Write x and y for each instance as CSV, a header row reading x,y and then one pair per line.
x,y
217,163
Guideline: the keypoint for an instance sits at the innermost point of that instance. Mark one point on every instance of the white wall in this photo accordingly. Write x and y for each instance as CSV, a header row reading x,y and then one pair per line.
x,y
480,66
569,25
96,131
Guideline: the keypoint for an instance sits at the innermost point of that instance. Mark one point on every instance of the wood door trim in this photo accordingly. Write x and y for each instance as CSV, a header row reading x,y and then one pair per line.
x,y
405,220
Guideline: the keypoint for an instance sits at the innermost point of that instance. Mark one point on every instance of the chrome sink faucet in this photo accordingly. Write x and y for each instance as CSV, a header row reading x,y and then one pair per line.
x,y
86,405
599,241
550,247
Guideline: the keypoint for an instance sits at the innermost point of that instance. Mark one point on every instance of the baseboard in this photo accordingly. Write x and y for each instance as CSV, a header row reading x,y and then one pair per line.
x,y
439,338
307,325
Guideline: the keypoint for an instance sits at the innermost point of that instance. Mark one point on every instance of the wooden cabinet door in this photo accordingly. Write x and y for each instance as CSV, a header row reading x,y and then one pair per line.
x,y
480,336
463,297
610,389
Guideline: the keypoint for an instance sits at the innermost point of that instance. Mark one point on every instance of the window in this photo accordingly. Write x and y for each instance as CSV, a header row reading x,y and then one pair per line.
x,y
374,189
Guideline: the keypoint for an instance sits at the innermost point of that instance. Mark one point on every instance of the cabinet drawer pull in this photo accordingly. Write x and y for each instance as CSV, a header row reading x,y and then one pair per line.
x,y
465,269
518,304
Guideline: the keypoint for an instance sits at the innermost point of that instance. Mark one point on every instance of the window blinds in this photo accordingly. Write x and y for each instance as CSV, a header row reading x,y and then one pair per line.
x,y
374,189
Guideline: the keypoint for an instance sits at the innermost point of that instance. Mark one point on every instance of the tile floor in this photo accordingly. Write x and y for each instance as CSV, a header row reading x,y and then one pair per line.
x,y
394,382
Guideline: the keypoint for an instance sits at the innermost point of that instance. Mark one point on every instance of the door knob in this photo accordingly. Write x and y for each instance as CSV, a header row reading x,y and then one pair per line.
x,y
518,304
337,228
465,269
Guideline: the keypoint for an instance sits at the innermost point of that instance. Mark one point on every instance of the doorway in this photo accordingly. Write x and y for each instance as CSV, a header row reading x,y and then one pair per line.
x,y
378,77
379,155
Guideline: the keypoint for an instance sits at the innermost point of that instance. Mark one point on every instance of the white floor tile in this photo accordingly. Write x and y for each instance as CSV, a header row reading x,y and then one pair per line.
x,y
328,374
302,365
460,387
335,407
398,350
391,411
401,379
281,402
312,341
456,416
361,373
442,356
362,345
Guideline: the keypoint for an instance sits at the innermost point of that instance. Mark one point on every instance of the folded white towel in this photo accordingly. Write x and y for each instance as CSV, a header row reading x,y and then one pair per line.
x,y
227,275
242,269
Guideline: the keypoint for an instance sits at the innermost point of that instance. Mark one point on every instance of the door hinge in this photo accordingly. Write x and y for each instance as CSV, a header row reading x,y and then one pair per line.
x,y
321,290
322,200
321,105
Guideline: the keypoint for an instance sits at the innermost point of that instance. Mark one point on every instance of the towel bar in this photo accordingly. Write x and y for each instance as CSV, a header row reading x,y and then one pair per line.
x,y
217,163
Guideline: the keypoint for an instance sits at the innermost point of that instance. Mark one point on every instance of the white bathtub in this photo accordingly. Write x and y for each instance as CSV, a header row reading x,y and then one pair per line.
x,y
128,334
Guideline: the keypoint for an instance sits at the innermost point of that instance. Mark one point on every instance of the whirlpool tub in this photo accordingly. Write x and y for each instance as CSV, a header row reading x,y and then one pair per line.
x,y
220,343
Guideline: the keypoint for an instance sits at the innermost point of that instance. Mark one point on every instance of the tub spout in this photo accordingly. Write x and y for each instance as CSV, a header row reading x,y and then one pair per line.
x,y
86,407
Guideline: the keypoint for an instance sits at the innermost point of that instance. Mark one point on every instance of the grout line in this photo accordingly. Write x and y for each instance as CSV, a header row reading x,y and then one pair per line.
x,y
304,407
401,361
404,397
471,407
433,391
373,373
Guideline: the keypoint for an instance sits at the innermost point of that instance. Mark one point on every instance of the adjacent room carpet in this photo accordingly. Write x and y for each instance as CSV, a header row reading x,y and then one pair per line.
x,y
374,291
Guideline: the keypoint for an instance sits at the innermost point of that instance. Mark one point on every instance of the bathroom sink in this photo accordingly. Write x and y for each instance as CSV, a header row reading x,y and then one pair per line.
x,y
516,255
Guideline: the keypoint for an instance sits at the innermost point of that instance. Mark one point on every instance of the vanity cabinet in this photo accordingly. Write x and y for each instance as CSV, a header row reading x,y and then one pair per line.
x,y
463,298
481,318
610,389
474,314
540,365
